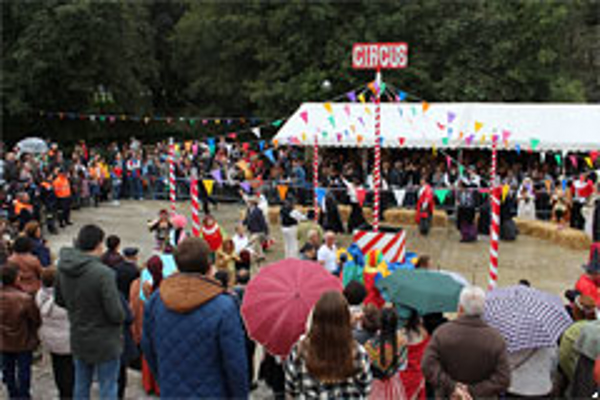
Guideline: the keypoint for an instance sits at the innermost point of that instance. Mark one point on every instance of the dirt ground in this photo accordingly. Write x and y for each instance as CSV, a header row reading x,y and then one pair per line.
x,y
545,265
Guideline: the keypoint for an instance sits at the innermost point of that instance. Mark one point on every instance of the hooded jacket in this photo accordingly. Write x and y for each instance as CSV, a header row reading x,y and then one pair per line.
x,y
193,340
88,290
54,332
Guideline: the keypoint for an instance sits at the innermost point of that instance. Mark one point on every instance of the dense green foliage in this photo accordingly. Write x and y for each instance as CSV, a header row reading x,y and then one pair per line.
x,y
265,58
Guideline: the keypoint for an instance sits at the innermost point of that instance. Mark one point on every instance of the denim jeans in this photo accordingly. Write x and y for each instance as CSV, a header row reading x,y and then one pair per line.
x,y
107,373
16,368
116,190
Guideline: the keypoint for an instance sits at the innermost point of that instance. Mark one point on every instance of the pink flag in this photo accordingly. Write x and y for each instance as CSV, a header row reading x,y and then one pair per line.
x,y
448,161
347,109
573,160
505,135
361,194
304,116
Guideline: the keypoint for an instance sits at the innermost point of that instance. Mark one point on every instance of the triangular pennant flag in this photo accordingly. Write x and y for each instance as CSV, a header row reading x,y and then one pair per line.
x,y
331,120
359,139
261,145
573,160
469,139
382,88
505,190
425,106
505,135
401,95
594,155
558,159
321,192
304,116
328,107
534,143
451,117
478,126
269,154
448,161
441,194
351,96
282,190
195,148
441,126
246,146
548,184
361,194
361,97
445,141
484,192
372,87
434,151
256,132
232,135
461,170
399,195
518,148
338,136
589,162
246,186
208,185
218,176
402,140
277,123
304,136
275,142
564,184
347,109
367,110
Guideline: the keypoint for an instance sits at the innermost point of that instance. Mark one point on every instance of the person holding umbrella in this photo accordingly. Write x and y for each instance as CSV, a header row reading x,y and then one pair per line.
x,y
327,362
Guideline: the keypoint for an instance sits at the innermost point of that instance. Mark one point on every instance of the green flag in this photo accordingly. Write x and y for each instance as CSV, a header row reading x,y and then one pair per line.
x,y
441,194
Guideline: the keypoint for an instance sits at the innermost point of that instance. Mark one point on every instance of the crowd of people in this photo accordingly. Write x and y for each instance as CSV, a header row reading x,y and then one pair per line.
x,y
99,310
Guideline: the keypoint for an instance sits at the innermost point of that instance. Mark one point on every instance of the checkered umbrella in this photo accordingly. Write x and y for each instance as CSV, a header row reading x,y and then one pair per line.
x,y
527,318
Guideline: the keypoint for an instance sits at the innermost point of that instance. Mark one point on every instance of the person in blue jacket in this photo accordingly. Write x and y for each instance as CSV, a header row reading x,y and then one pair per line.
x,y
193,338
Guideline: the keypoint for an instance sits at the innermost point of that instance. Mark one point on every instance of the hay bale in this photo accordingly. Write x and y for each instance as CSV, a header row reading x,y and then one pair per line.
x,y
440,219
274,215
572,239
344,213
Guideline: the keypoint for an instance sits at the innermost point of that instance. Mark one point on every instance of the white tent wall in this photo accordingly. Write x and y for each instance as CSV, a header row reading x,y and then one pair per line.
x,y
558,127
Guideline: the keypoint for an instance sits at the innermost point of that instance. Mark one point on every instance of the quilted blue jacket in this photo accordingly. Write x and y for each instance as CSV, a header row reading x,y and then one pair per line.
x,y
193,340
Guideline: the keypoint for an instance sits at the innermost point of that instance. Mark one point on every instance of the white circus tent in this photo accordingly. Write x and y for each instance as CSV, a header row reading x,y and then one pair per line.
x,y
553,127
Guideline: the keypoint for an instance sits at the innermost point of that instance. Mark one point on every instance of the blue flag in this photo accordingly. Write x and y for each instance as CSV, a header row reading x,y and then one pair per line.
x,y
261,145
321,192
269,154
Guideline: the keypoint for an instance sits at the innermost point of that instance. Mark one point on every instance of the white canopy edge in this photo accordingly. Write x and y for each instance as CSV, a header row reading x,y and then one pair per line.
x,y
558,127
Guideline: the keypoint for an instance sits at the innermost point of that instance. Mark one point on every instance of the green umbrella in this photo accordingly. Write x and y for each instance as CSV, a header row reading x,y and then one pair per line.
x,y
425,291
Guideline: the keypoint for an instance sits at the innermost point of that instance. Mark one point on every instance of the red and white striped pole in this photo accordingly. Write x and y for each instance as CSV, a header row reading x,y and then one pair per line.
x,y
195,203
172,182
495,221
377,169
316,177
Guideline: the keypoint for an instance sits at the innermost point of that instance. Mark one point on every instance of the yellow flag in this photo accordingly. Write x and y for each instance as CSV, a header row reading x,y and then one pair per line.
x,y
367,110
483,139
353,128
505,190
208,185
176,147
282,190
589,162
434,151
217,121
361,97
478,126
328,107
304,136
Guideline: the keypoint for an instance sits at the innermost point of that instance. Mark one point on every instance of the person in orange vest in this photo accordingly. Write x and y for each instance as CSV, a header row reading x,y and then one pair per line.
x,y
23,210
62,191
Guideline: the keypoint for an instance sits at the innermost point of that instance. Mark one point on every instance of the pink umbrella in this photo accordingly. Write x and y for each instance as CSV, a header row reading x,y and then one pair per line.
x,y
278,300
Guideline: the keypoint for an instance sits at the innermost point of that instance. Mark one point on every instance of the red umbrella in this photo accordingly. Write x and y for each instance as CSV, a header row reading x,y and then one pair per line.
x,y
277,301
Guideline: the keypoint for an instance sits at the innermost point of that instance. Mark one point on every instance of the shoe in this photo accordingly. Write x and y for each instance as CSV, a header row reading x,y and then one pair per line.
x,y
69,223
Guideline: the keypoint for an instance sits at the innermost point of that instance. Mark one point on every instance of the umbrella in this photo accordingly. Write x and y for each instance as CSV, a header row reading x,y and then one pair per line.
x,y
425,291
278,300
527,318
32,145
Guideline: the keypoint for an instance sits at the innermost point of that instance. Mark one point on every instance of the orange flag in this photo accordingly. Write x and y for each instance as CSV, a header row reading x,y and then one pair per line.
x,y
282,189
425,106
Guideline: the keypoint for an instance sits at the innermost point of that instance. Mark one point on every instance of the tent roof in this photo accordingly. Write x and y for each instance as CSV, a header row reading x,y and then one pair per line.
x,y
573,127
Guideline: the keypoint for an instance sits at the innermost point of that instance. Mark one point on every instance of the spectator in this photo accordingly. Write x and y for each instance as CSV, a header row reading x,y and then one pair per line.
x,y
328,362
355,294
55,337
417,340
257,226
127,270
290,217
18,333
62,191
112,256
192,306
327,254
369,324
589,282
87,289
30,268
308,252
466,357
33,231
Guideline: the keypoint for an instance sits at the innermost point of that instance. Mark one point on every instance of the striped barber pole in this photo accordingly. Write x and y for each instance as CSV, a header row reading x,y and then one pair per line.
x,y
172,182
316,177
377,169
195,203
392,245
495,221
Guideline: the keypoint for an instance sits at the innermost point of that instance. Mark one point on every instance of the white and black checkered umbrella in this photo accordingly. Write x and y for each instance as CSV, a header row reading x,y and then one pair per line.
x,y
527,318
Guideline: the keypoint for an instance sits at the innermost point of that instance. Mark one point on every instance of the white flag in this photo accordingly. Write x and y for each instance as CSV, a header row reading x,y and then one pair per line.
x,y
256,132
399,194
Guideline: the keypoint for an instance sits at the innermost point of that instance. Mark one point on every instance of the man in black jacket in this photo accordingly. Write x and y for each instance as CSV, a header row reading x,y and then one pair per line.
x,y
127,270
257,226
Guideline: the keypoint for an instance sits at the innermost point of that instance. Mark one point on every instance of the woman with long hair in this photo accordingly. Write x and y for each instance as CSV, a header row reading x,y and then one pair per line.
x,y
388,354
327,362
155,268
417,339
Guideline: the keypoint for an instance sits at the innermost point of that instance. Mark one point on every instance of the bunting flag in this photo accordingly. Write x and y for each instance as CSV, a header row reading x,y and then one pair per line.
x,y
505,135
573,161
534,143
382,88
445,141
372,87
347,109
245,186
558,160
304,136
589,162
351,96
328,107
448,161
269,154
594,155
564,185
218,176
518,148
261,145
256,132
208,185
331,120
461,170
478,126
401,95
399,194
484,191
440,126
275,142
425,106
451,117
361,194
321,192
402,140
304,116
195,149
505,190
548,184
246,146
277,123
359,139
361,98
441,194
434,151
282,190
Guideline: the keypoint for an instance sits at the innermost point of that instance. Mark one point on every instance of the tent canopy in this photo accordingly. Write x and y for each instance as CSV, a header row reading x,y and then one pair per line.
x,y
557,127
